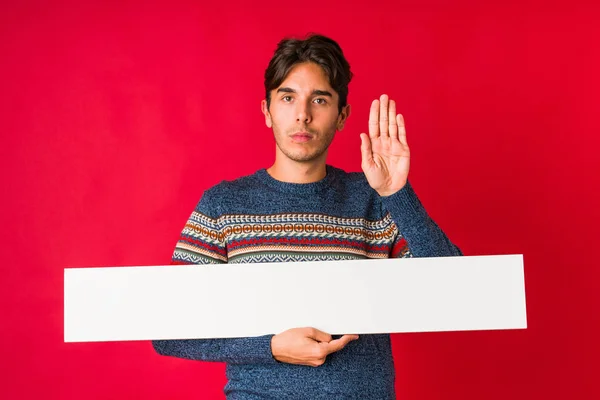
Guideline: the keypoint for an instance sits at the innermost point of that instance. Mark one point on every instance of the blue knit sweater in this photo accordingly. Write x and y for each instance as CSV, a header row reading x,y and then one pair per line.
x,y
259,219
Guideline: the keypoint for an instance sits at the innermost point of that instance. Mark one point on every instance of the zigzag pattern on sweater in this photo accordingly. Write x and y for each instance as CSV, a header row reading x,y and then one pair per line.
x,y
274,257
184,257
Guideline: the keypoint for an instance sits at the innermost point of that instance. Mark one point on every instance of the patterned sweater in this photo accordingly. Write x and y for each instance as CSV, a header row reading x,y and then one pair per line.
x,y
259,219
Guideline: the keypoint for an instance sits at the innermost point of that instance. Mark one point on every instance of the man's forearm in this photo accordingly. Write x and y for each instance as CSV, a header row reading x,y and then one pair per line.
x,y
423,235
250,350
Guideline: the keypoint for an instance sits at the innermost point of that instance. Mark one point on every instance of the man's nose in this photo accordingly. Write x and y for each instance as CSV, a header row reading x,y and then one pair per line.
x,y
303,113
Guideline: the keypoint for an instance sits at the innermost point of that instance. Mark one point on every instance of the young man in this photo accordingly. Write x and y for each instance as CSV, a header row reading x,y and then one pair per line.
x,y
301,209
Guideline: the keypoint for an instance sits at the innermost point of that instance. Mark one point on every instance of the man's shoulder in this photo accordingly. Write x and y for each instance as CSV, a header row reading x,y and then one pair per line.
x,y
228,188
227,197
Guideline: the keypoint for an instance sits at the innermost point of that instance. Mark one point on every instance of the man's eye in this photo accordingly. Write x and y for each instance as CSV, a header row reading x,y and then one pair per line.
x,y
320,101
287,98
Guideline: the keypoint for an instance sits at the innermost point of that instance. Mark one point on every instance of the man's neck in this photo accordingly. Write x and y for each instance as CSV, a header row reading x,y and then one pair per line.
x,y
296,172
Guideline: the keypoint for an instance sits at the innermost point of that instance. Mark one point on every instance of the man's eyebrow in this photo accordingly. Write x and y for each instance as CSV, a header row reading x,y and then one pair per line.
x,y
322,93
285,90
316,92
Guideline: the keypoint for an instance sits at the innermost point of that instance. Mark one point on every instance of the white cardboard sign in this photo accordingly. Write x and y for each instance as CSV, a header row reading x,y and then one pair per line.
x,y
338,297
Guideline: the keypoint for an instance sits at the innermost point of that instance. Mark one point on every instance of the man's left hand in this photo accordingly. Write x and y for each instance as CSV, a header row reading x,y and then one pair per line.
x,y
385,153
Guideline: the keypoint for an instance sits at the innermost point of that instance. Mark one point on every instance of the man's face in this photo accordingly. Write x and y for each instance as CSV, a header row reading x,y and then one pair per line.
x,y
304,114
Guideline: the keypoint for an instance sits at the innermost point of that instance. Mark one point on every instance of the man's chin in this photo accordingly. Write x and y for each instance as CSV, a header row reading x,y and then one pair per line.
x,y
304,158
303,155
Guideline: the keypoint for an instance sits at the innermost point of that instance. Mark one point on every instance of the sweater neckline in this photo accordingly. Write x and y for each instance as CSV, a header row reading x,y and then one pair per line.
x,y
297,188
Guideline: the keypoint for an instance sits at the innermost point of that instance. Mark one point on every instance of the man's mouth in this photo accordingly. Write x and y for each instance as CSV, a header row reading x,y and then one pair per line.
x,y
302,137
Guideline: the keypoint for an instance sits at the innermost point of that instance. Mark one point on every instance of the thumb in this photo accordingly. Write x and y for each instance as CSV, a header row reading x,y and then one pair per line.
x,y
338,344
315,334
366,150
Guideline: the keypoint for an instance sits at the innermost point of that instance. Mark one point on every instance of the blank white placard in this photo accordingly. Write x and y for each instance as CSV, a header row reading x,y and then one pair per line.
x,y
240,300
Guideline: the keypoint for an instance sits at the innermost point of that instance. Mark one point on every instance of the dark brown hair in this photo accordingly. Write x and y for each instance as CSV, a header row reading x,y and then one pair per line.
x,y
317,49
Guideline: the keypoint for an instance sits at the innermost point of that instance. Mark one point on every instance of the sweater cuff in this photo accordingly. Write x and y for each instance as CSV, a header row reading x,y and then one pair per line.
x,y
260,350
405,208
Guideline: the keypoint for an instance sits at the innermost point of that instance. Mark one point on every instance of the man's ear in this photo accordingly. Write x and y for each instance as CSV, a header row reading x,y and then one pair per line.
x,y
265,111
344,114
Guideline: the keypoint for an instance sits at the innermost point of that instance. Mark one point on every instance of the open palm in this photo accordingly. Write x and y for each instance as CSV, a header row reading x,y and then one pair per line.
x,y
385,153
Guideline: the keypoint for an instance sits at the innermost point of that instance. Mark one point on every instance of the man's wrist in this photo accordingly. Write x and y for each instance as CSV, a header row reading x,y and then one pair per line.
x,y
272,348
388,193
385,194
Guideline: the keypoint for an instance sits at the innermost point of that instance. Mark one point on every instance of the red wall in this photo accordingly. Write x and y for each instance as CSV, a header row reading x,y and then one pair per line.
x,y
115,118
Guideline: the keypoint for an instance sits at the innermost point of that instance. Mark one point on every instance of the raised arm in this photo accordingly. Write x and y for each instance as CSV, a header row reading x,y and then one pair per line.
x,y
386,163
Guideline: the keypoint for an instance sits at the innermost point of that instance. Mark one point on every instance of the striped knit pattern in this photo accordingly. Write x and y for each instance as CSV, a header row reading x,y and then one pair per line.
x,y
286,237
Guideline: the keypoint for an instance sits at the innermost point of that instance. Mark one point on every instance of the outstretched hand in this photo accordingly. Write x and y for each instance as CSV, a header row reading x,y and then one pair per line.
x,y
385,153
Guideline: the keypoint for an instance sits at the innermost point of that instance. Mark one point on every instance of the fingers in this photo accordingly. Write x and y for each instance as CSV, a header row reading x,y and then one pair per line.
x,y
374,119
383,116
323,349
401,129
366,149
306,346
392,120
317,335
338,344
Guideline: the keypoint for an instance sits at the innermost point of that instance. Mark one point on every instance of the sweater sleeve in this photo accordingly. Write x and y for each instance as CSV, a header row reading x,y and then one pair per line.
x,y
418,231
202,242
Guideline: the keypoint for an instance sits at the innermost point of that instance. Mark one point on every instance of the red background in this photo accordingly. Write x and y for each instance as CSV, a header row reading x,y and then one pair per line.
x,y
115,118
